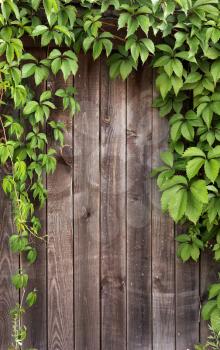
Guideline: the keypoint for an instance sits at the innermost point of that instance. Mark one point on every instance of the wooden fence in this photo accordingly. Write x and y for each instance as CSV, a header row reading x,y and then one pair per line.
x,y
109,278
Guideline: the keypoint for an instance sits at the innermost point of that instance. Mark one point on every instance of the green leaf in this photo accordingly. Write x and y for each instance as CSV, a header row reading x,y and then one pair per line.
x,y
215,70
177,67
193,152
212,169
214,153
143,21
20,280
214,290
183,238
125,69
215,320
87,43
38,30
177,205
30,107
199,191
185,252
194,208
167,158
28,70
207,309
193,78
195,252
32,255
31,298
193,166
163,83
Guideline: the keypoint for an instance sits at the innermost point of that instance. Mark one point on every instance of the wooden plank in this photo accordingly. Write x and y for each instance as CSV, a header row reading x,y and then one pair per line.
x,y
139,134
9,265
113,212
187,302
163,254
36,318
209,270
86,208
60,240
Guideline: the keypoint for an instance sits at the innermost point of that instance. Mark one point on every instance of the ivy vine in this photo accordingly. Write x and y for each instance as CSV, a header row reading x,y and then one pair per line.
x,y
183,38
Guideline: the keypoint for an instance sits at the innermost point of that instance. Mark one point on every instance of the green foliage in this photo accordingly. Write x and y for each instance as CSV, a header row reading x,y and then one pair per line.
x,y
187,60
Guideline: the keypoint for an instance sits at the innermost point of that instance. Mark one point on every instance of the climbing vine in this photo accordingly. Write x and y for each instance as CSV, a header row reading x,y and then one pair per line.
x,y
182,38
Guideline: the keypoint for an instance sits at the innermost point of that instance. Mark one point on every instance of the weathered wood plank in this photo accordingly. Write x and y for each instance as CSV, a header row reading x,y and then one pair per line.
x,y
139,133
86,208
163,254
113,212
187,302
60,241
36,318
209,270
9,264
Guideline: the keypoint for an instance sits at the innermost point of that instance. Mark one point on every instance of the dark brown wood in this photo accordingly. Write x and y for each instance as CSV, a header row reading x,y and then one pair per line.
x,y
86,208
9,264
60,241
209,271
115,284
187,302
113,212
163,254
139,140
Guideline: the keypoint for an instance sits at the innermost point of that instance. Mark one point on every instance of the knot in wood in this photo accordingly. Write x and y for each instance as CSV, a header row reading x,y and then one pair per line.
x,y
67,155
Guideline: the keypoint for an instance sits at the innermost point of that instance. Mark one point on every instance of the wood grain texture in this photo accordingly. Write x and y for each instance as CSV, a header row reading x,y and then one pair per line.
x,y
187,302
36,318
9,264
116,283
60,241
139,133
113,212
163,254
209,270
87,208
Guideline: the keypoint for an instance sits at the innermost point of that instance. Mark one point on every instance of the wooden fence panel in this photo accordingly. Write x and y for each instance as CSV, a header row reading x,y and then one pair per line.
x,y
9,265
163,255
87,208
109,278
139,140
113,212
187,303
60,239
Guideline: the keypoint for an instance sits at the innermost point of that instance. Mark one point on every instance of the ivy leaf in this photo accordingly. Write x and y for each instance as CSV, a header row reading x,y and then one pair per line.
x,y
40,29
193,209
177,67
31,298
144,23
214,153
212,169
185,252
177,206
199,190
163,83
28,70
125,69
167,158
215,320
214,290
30,107
207,309
193,152
193,166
